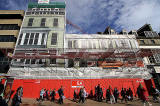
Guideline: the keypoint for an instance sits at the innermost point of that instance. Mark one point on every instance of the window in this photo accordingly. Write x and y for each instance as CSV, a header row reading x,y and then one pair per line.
x,y
75,43
27,61
20,38
31,39
54,39
69,44
124,33
7,38
52,61
43,38
26,39
157,58
36,38
151,59
55,22
33,61
36,13
61,13
142,42
30,22
43,21
9,27
150,34
152,41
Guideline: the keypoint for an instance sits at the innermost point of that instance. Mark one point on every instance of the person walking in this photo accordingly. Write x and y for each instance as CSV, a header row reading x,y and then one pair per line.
x,y
116,94
61,95
112,99
130,94
138,91
107,95
101,94
123,94
47,96
41,95
53,94
81,95
2,101
75,96
98,92
16,101
144,96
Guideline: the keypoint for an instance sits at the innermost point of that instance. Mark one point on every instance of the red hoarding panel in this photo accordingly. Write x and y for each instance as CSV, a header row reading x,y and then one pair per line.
x,y
32,87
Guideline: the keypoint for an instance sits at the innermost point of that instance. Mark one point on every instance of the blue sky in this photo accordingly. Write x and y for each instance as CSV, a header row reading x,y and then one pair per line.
x,y
95,15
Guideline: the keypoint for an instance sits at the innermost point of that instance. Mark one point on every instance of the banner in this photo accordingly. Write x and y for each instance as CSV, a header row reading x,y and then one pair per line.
x,y
77,84
43,1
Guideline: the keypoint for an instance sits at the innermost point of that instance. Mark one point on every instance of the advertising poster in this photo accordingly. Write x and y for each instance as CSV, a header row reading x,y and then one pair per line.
x,y
77,84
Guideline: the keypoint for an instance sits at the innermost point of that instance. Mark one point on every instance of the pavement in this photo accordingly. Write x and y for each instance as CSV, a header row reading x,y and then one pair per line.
x,y
67,102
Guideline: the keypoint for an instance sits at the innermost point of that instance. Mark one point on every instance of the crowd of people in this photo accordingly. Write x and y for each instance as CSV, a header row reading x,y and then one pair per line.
x,y
111,95
16,100
46,94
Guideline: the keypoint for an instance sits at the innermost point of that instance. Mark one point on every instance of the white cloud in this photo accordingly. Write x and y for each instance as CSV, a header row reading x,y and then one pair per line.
x,y
136,13
127,14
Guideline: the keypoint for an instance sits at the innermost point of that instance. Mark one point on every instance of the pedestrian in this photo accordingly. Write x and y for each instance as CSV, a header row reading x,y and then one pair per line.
x,y
107,95
101,94
47,96
158,95
53,94
81,95
16,101
85,94
61,95
154,94
138,91
112,99
123,94
130,94
95,95
44,94
41,95
75,96
2,101
116,94
144,96
98,92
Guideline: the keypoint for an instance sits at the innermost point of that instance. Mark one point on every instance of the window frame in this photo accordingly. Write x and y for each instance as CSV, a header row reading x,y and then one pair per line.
x,y
54,39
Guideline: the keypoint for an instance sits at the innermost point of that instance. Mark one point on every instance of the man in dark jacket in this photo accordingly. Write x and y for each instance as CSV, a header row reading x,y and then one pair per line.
x,y
98,92
107,95
61,94
53,94
116,94
2,101
123,94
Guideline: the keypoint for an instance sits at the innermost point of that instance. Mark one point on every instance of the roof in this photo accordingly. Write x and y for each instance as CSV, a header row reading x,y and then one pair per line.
x,y
44,5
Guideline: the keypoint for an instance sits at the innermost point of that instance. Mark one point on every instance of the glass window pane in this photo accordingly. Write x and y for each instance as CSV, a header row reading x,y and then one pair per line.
x,y
54,39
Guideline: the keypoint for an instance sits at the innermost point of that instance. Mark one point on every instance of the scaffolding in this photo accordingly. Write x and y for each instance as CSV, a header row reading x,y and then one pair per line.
x,y
110,63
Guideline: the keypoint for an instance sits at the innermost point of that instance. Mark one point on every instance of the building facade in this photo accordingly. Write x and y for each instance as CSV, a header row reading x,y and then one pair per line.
x,y
46,57
149,39
43,29
10,24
